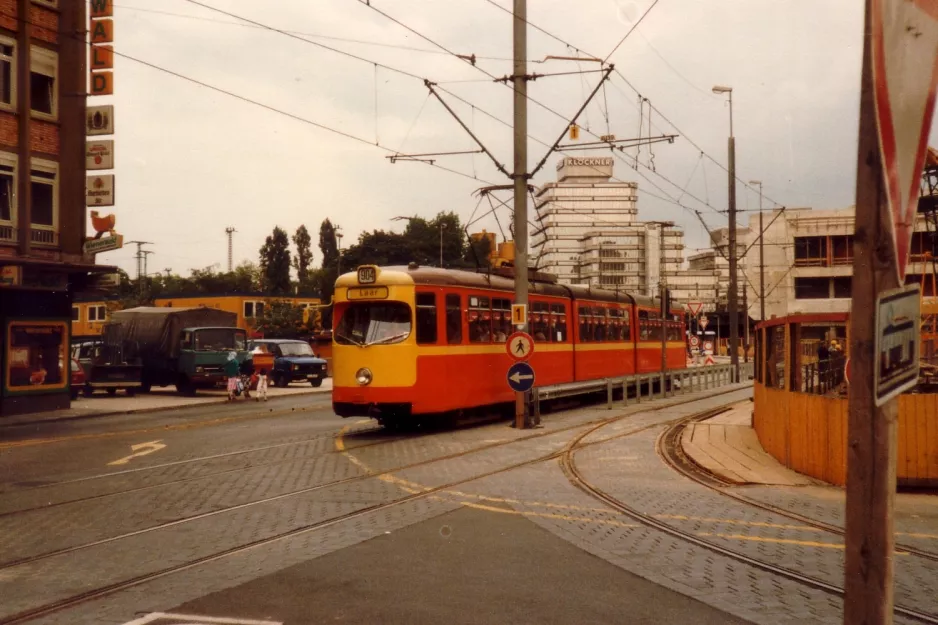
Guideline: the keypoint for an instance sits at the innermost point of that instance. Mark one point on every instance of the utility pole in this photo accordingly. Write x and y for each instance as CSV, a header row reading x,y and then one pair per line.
x,y
520,176
733,295
140,256
230,232
761,255
442,227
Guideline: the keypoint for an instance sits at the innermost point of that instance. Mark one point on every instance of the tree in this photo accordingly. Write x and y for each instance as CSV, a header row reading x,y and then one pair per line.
x,y
304,255
329,246
280,319
275,262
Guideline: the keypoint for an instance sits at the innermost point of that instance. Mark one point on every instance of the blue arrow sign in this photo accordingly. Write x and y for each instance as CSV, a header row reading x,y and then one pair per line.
x,y
521,377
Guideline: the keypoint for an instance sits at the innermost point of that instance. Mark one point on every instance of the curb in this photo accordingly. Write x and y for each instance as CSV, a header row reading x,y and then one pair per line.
x,y
136,411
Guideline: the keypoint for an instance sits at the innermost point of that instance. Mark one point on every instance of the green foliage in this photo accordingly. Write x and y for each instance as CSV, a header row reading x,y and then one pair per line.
x,y
477,252
304,255
281,319
275,262
326,277
419,243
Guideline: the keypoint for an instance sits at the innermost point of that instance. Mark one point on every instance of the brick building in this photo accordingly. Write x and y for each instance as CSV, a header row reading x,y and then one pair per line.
x,y
43,67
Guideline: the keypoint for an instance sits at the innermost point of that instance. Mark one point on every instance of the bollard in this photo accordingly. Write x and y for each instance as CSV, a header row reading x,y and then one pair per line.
x,y
608,394
625,391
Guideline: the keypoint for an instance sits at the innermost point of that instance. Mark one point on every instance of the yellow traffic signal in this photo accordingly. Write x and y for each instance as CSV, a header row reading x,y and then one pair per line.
x,y
574,132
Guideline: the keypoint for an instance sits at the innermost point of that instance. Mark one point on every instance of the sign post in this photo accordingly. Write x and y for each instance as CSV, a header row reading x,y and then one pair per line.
x,y
896,106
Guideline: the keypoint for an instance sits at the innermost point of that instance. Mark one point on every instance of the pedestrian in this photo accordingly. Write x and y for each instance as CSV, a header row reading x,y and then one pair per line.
x,y
261,385
232,370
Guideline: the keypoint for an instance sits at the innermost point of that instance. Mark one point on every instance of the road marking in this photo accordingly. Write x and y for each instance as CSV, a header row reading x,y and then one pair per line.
x,y
193,619
140,449
916,535
784,541
166,428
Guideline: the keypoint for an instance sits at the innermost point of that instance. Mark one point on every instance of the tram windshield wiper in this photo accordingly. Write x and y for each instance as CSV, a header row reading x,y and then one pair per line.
x,y
349,339
388,338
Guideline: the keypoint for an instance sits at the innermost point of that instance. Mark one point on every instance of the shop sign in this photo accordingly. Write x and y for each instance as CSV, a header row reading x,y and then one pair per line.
x,y
102,31
99,190
105,244
101,8
11,275
99,120
102,57
102,83
99,154
106,281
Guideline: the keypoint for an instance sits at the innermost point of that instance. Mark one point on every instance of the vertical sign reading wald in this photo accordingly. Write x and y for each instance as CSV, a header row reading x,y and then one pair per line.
x,y
99,153
897,98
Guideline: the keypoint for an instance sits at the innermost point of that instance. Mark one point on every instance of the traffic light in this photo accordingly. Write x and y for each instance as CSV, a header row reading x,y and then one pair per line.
x,y
574,132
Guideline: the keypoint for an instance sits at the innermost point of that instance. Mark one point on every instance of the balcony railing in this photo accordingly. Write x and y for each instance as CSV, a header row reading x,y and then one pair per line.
x,y
44,237
8,233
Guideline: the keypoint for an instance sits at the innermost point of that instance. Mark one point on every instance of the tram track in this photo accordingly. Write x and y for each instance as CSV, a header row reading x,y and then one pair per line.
x,y
109,589
577,479
669,449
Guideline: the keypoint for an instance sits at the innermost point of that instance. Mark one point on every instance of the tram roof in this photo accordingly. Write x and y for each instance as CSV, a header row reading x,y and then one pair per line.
x,y
484,280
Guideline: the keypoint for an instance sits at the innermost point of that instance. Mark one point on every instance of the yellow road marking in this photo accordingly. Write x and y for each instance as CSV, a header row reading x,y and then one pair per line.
x,y
916,535
166,428
141,449
681,517
784,541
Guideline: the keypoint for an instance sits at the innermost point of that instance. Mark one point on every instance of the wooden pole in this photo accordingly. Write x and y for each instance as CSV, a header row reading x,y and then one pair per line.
x,y
871,431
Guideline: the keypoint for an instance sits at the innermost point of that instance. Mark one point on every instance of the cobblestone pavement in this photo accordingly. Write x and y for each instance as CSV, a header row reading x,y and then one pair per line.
x,y
291,494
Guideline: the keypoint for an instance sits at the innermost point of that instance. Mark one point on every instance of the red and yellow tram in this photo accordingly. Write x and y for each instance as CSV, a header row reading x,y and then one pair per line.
x,y
421,340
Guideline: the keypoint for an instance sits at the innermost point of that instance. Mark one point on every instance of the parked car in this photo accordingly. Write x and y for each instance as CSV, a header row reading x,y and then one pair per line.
x,y
294,360
77,377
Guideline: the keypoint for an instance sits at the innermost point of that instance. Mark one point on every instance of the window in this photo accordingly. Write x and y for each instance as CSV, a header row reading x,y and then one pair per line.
x,y
36,356
426,318
775,357
258,309
599,324
501,319
368,323
453,319
7,73
810,251
812,288
647,324
43,88
480,320
586,324
539,321
842,287
44,188
558,320
7,193
92,313
842,250
248,309
626,325
76,313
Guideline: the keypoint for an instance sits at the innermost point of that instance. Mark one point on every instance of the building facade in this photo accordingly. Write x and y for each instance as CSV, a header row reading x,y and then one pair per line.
x,y
715,261
809,261
42,197
588,232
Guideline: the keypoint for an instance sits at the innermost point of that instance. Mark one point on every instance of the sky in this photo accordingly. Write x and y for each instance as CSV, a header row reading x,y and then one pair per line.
x,y
191,160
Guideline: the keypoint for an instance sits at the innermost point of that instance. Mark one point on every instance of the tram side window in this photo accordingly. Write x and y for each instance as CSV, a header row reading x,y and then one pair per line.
x,y
558,320
540,321
626,325
615,324
599,324
501,319
480,320
426,318
644,326
586,320
453,319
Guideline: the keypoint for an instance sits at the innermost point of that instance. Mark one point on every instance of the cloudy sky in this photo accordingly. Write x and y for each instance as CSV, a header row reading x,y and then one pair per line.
x,y
191,160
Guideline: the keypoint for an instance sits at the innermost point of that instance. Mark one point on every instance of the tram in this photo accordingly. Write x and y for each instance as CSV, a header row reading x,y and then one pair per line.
x,y
410,342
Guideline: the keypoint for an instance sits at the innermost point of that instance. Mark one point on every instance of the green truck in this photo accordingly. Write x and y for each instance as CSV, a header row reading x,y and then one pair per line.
x,y
187,347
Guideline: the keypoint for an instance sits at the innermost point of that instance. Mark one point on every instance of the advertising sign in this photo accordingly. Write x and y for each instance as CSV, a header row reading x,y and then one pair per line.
x,y
896,343
105,244
99,120
99,154
102,31
102,57
102,83
11,275
99,190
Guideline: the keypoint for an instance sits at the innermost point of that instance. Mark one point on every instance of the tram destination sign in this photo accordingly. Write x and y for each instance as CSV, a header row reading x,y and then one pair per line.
x,y
896,343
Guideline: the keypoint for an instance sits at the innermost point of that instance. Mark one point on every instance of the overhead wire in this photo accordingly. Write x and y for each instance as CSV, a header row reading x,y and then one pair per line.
x,y
631,30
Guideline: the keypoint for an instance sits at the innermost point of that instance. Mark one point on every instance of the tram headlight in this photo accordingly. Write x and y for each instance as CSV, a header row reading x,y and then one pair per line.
x,y
363,376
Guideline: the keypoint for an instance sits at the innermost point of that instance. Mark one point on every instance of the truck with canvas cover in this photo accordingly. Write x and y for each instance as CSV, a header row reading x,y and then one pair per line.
x,y
187,347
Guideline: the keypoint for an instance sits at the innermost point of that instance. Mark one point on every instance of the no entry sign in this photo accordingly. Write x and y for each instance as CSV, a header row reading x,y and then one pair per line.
x,y
904,43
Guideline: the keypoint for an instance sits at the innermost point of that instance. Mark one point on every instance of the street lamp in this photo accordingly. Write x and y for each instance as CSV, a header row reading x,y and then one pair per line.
x,y
731,206
338,238
442,228
761,256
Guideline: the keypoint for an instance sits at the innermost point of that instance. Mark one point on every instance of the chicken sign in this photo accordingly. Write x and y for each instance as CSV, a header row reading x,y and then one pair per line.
x,y
904,45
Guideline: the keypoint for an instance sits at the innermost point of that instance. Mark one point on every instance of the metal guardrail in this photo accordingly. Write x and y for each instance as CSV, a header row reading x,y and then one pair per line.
x,y
672,382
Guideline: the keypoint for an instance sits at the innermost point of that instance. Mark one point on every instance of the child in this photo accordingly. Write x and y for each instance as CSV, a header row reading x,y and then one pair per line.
x,y
232,368
262,386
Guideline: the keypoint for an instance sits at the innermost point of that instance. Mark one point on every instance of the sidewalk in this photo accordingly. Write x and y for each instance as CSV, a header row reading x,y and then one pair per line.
x,y
102,405
727,446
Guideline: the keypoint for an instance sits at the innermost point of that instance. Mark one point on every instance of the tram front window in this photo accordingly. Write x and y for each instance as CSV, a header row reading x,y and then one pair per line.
x,y
374,324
